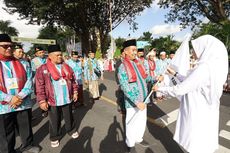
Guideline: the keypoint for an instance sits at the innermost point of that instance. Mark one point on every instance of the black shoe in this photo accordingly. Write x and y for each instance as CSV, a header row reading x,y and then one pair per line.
x,y
33,149
96,98
144,144
80,105
132,150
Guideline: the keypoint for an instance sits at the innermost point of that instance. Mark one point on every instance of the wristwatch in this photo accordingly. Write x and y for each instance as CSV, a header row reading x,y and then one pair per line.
x,y
175,74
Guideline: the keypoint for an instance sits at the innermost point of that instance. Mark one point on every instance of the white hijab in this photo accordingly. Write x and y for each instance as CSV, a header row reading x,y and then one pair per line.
x,y
212,51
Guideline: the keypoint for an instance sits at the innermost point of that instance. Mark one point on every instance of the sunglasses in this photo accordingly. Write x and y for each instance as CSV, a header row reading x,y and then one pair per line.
x,y
7,46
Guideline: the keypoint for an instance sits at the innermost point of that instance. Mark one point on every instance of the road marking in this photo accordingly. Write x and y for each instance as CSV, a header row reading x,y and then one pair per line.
x,y
228,123
169,118
225,134
222,149
109,100
151,120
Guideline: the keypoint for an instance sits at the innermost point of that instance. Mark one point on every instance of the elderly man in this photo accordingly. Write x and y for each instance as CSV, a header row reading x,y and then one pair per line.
x,y
142,60
56,88
161,66
36,63
38,60
132,78
15,104
91,68
75,64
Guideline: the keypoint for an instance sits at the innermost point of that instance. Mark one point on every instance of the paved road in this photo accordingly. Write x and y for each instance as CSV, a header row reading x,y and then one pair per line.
x,y
102,130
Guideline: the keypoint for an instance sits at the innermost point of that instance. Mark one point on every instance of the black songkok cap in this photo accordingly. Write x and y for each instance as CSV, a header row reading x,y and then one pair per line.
x,y
172,52
74,52
18,46
5,38
54,48
91,52
140,50
131,42
38,49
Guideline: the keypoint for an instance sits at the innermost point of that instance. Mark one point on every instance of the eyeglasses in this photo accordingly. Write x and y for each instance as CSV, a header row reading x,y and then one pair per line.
x,y
7,46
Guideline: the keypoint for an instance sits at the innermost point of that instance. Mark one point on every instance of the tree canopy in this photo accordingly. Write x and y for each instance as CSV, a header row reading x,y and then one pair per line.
x,y
6,28
191,12
220,32
147,36
86,17
61,34
165,44
119,41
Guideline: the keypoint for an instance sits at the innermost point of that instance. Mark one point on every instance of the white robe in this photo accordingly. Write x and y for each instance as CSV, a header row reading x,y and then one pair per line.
x,y
197,123
198,118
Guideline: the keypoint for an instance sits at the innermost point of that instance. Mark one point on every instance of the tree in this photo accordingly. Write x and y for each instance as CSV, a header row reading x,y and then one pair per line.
x,y
147,36
190,12
84,16
6,28
221,32
165,44
119,42
61,34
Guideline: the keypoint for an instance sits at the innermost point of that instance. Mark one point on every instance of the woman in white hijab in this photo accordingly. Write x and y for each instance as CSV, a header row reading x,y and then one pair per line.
x,y
198,119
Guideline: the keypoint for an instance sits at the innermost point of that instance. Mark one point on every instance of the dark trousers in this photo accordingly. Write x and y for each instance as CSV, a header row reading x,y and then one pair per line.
x,y
80,94
8,122
120,100
149,86
24,128
55,113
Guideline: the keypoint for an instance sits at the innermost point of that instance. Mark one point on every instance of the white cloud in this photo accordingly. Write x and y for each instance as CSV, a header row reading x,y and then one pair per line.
x,y
30,31
153,8
165,29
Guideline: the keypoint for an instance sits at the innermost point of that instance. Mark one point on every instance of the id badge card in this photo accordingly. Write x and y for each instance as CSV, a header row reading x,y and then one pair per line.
x,y
12,83
62,82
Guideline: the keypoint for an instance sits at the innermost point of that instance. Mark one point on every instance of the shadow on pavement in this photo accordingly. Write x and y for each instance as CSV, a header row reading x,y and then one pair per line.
x,y
148,150
83,144
41,133
165,136
114,141
36,116
102,87
154,111
225,100
80,112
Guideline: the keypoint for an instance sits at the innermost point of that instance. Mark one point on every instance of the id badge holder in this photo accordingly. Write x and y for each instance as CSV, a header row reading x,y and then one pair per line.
x,y
12,83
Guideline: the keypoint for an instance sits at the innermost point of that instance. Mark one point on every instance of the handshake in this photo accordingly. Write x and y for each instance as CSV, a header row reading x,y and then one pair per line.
x,y
160,78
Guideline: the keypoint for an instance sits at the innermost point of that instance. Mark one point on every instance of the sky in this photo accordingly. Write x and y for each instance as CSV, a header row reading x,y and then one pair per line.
x,y
151,19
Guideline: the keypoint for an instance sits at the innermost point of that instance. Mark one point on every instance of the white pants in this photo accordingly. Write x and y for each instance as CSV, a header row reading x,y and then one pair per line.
x,y
135,125
94,88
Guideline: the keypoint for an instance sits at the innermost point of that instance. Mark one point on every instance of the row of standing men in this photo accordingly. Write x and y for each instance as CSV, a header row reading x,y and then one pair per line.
x,y
57,85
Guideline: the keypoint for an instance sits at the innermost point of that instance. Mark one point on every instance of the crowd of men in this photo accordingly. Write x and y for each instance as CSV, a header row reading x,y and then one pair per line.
x,y
57,81
57,84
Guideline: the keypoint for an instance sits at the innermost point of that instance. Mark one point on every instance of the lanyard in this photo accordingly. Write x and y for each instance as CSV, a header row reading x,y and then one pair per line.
x,y
6,67
59,70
